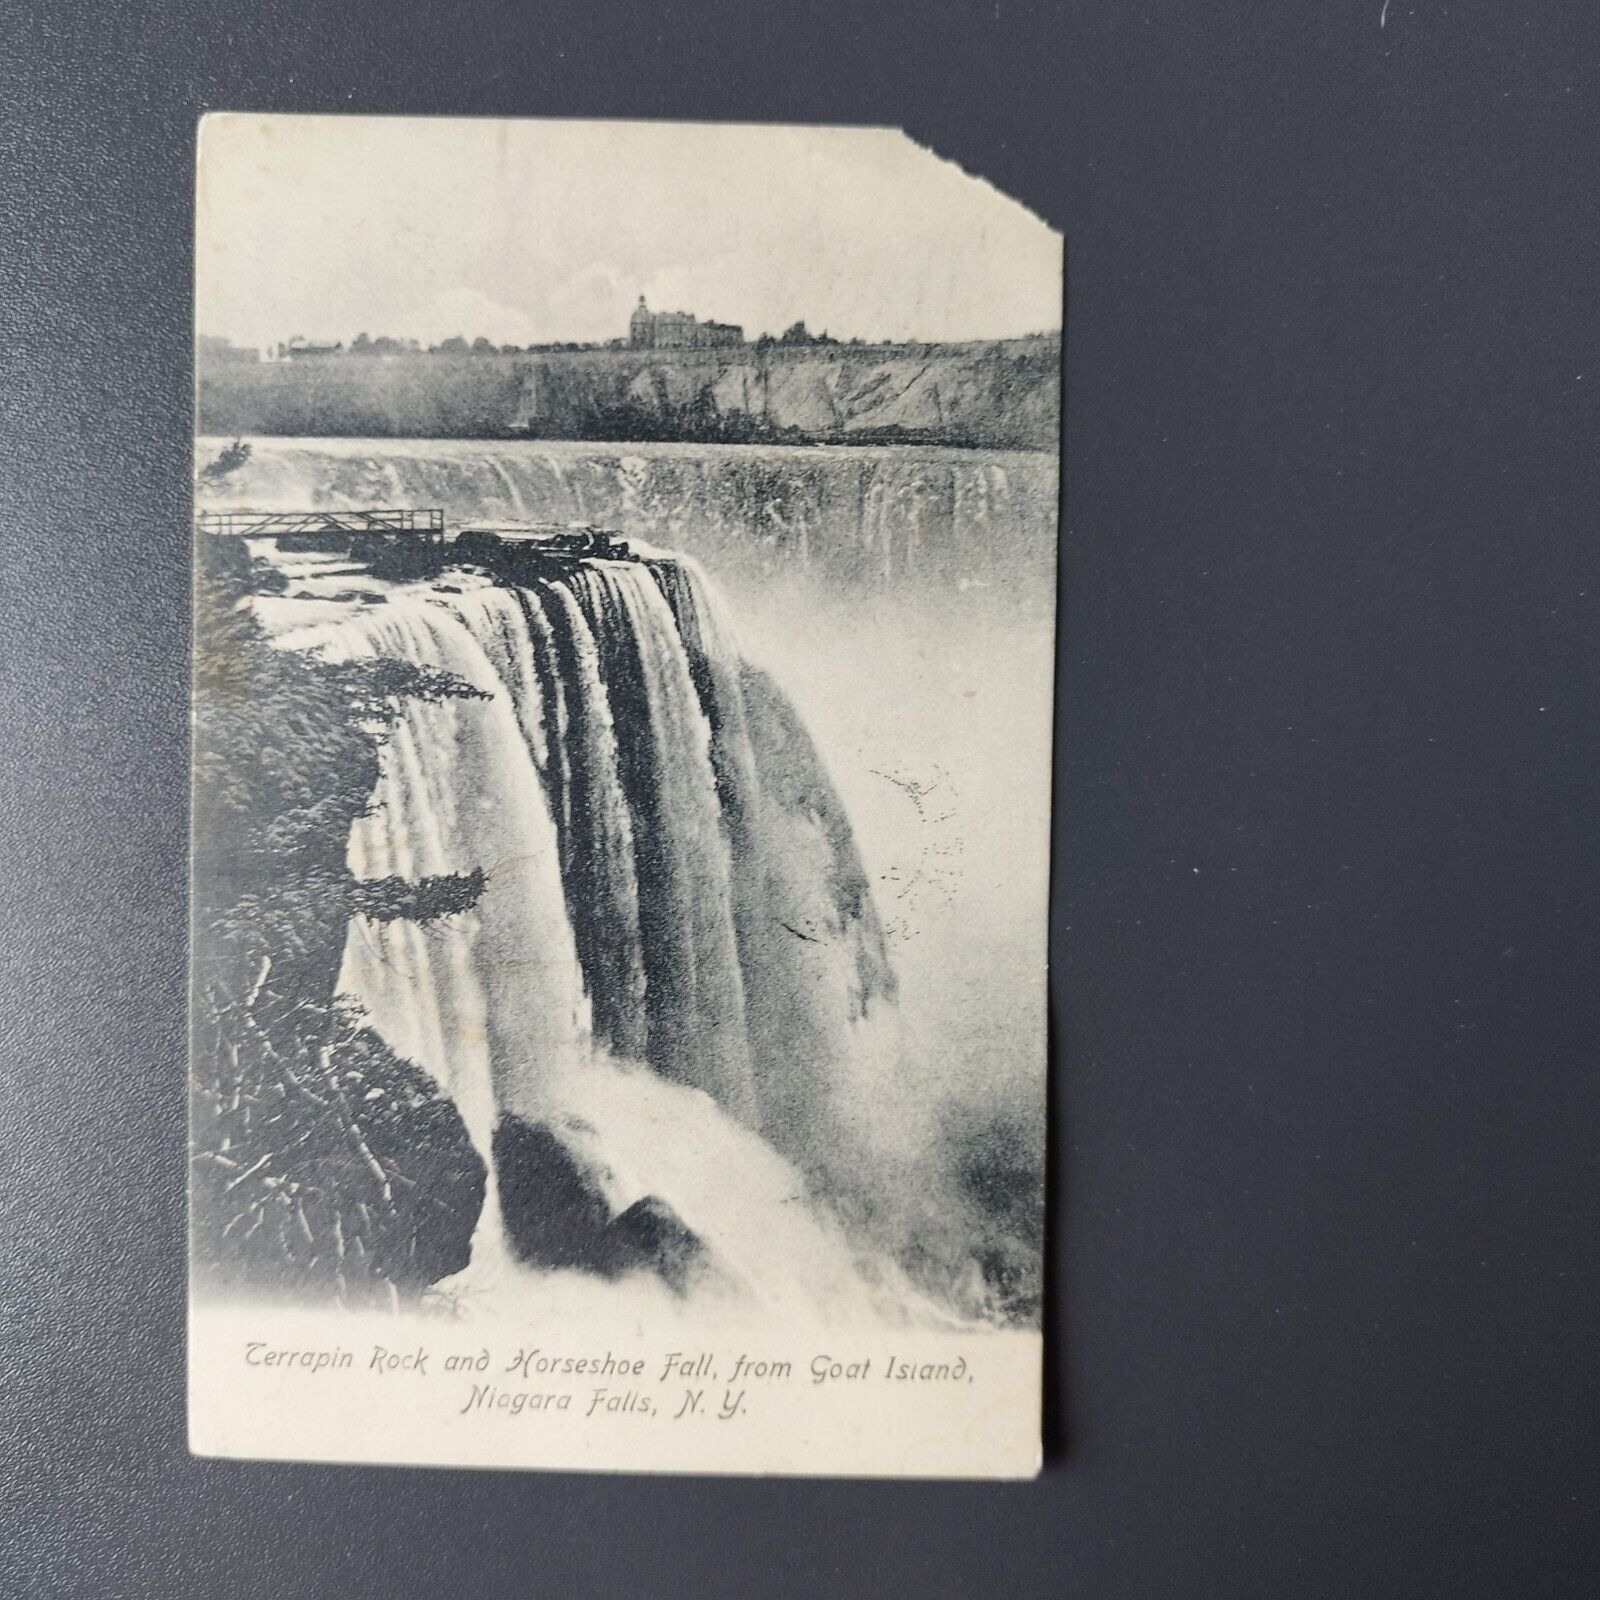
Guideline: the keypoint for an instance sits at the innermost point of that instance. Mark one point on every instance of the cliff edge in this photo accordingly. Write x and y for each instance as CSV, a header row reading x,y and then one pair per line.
x,y
1003,394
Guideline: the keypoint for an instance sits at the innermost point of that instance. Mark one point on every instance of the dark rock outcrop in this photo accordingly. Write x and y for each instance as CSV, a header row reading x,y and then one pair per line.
x,y
554,1210
557,1216
650,1234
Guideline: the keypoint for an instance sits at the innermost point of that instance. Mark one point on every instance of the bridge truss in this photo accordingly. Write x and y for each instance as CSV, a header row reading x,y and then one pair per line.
x,y
428,523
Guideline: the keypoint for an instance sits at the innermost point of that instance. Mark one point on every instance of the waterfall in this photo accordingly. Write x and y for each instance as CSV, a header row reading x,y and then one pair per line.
x,y
694,993
867,516
675,952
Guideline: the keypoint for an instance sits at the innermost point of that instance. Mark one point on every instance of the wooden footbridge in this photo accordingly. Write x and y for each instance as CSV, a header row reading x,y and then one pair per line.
x,y
298,524
400,539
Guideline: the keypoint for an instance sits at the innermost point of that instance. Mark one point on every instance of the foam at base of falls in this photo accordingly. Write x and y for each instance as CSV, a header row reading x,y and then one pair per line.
x,y
769,1247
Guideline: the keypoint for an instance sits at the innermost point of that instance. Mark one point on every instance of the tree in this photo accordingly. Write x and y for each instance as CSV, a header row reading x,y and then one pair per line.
x,y
230,459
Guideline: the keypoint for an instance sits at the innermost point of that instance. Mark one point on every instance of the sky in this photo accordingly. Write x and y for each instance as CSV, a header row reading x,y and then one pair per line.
x,y
541,231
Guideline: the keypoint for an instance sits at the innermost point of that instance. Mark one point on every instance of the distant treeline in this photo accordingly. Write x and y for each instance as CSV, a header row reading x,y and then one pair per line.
x,y
796,336
1004,395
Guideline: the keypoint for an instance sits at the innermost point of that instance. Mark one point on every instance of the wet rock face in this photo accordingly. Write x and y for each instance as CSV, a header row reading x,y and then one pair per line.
x,y
650,1234
557,1215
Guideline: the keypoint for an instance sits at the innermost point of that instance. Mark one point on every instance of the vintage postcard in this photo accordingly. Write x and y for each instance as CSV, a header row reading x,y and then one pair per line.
x,y
625,570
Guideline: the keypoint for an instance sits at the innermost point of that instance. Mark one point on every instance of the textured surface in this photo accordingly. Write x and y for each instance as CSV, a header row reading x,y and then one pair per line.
x,y
1326,928
1005,395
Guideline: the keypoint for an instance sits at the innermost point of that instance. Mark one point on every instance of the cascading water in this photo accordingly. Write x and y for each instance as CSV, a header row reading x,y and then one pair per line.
x,y
694,993
493,1024
675,954
863,515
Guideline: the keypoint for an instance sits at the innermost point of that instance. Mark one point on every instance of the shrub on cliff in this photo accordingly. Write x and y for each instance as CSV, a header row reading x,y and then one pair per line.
x,y
229,459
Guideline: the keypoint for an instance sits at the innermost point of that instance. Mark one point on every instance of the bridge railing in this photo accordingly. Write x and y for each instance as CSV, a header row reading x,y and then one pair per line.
x,y
428,522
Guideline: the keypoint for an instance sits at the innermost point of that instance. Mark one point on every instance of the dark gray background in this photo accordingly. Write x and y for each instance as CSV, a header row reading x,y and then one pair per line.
x,y
1324,1232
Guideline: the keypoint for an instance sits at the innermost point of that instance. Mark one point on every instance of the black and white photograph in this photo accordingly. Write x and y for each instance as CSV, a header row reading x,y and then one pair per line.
x,y
625,573
800,801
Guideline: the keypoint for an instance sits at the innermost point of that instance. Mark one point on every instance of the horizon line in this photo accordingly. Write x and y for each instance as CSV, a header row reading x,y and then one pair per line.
x,y
608,344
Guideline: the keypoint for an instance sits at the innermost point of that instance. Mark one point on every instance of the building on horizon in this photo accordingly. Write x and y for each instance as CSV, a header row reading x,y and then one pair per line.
x,y
678,330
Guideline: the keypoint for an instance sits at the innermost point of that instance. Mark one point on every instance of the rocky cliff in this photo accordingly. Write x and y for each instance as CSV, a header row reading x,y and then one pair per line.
x,y
1003,394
